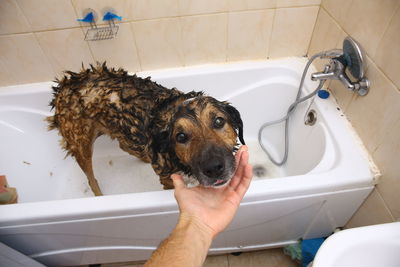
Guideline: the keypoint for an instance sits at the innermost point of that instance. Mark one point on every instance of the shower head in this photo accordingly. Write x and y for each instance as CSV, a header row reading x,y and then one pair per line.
x,y
333,53
354,57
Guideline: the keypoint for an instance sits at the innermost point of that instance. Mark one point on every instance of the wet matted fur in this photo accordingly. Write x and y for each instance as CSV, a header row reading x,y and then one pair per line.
x,y
174,131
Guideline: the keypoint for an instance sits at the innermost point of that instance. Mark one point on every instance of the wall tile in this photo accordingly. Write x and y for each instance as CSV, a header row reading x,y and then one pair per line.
x,y
12,20
119,51
193,7
154,9
387,158
296,3
342,95
240,5
249,33
123,8
24,59
369,22
49,14
65,57
204,38
372,115
338,9
292,31
372,211
388,54
325,37
5,76
159,43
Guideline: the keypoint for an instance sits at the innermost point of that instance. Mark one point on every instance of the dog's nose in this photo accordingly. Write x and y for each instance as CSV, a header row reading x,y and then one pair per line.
x,y
214,168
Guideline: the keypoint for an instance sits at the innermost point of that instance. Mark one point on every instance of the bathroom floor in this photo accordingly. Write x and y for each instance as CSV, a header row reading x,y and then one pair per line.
x,y
262,258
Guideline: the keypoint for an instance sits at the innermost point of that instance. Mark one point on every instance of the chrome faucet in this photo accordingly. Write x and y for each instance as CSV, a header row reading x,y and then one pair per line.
x,y
336,70
351,58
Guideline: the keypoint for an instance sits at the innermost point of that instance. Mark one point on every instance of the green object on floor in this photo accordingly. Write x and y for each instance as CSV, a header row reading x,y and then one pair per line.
x,y
294,251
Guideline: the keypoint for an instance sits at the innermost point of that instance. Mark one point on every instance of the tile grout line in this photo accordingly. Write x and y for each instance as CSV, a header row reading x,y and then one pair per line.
x,y
132,30
313,31
83,33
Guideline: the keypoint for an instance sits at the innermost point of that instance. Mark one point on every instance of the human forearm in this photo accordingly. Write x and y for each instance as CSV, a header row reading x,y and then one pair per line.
x,y
187,245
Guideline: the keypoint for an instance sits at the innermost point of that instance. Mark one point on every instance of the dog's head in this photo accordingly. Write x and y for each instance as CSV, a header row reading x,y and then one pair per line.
x,y
203,136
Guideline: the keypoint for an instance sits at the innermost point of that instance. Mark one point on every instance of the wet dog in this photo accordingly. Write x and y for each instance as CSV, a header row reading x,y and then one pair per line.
x,y
189,133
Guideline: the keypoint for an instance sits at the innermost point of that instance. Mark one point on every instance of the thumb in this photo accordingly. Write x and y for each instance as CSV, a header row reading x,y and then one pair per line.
x,y
178,181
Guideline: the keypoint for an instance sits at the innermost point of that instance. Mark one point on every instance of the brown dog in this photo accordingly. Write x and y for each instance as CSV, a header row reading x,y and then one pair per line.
x,y
174,131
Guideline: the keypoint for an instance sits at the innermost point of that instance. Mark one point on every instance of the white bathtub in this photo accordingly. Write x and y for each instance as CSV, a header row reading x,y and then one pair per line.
x,y
58,222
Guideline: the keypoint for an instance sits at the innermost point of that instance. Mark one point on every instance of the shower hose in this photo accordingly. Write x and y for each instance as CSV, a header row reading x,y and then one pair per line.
x,y
291,109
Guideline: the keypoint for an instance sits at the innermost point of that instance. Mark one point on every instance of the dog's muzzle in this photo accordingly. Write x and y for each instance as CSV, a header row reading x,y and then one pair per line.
x,y
214,166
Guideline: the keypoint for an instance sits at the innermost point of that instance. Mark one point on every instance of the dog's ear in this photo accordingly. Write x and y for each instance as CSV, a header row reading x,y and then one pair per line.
x,y
235,119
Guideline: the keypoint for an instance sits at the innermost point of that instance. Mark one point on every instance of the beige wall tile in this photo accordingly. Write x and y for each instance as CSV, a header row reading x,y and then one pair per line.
x,y
119,51
193,7
249,33
204,38
123,8
24,59
49,14
342,95
154,9
239,5
294,3
387,158
66,49
325,37
372,115
159,43
5,76
388,54
12,20
291,33
369,22
372,211
338,9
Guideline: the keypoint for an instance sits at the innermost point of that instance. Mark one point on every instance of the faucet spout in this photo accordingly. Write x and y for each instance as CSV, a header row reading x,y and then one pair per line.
x,y
317,76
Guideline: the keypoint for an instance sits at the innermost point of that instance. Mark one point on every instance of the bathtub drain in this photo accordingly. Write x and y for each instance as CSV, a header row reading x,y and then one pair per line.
x,y
259,171
311,118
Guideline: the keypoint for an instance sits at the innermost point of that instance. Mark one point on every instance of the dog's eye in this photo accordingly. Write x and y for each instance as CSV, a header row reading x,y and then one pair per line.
x,y
181,138
219,122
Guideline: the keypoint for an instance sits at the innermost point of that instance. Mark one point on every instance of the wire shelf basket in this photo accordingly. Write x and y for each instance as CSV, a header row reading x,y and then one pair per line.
x,y
101,33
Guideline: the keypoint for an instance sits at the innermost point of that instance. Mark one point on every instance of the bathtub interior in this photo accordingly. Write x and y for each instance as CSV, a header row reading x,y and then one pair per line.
x,y
34,163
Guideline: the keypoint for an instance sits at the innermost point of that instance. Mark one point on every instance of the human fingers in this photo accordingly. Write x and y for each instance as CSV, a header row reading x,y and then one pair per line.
x,y
239,153
178,181
245,181
243,161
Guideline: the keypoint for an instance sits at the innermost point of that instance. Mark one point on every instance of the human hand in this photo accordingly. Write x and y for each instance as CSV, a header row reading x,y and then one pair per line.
x,y
214,207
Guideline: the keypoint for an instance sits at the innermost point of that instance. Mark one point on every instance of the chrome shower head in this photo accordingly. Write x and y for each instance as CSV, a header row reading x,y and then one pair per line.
x,y
354,57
